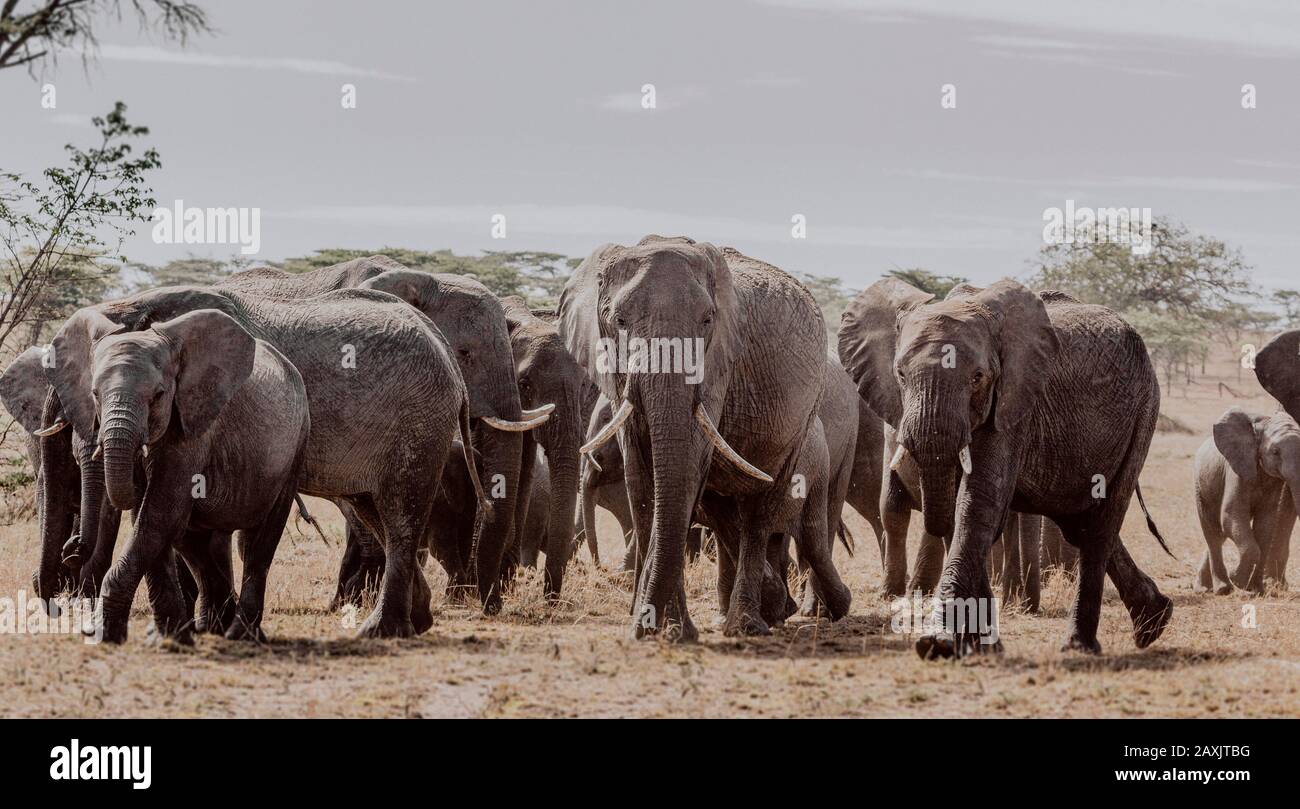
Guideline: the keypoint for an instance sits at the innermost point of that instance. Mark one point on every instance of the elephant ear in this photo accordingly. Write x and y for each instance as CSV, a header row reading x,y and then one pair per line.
x,y
23,388
580,316
1277,367
721,352
869,338
963,290
72,367
419,289
1027,345
214,357
1237,440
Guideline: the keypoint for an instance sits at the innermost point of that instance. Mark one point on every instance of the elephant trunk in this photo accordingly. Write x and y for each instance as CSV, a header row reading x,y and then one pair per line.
x,y
501,454
564,500
677,473
92,504
122,436
939,498
590,481
56,494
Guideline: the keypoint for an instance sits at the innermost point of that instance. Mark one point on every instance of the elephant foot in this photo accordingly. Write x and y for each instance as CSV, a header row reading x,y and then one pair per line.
x,y
1079,644
745,624
216,622
946,645
835,604
154,636
1223,589
1150,620
242,630
378,626
673,631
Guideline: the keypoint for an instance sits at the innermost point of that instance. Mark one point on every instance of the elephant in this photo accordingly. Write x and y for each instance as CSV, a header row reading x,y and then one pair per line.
x,y
360,353
603,485
22,391
549,376
222,420
473,323
715,362
1247,480
867,475
1277,367
1008,399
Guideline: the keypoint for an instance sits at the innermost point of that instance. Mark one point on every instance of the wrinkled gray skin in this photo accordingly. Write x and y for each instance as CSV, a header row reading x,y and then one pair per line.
x,y
23,389
380,466
1047,393
473,322
201,397
1277,366
1247,481
761,377
548,374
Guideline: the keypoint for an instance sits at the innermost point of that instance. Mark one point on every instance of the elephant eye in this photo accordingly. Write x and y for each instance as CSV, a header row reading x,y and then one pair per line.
x,y
976,379
619,321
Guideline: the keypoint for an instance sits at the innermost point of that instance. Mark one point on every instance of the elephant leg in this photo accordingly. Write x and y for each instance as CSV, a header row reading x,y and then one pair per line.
x,y
776,600
1238,524
207,555
1213,574
1031,527
159,519
101,557
693,541
362,565
166,600
728,547
745,610
896,512
257,548
1013,586
815,548
401,527
1094,554
1149,609
1280,547
929,564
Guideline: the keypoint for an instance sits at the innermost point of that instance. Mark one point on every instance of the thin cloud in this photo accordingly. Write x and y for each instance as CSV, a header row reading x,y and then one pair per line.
x,y
1215,184
320,67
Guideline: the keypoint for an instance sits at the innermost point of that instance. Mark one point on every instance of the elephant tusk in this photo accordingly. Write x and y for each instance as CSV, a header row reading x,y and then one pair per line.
x,y
607,432
591,459
721,445
544,410
964,457
56,427
98,453
899,455
515,426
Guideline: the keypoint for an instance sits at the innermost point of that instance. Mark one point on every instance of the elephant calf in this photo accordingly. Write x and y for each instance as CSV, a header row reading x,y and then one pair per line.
x,y
222,420
1247,479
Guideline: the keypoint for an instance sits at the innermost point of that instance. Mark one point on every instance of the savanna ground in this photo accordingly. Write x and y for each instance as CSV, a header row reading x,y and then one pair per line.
x,y
576,659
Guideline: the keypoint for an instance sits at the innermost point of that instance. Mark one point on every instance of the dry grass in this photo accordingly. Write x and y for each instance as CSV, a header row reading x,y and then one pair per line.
x,y
576,659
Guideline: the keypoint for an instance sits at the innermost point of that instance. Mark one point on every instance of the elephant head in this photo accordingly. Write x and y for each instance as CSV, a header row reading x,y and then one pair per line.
x,y
176,375
1256,446
626,313
472,320
1277,367
938,371
549,376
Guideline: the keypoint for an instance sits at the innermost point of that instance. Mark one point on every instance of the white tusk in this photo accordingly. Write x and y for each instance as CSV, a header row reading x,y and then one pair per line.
x,y
56,427
720,444
99,452
145,449
607,432
899,455
544,410
964,457
515,426
591,459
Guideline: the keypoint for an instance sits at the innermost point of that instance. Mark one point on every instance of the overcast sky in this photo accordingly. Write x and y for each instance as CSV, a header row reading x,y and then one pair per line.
x,y
826,108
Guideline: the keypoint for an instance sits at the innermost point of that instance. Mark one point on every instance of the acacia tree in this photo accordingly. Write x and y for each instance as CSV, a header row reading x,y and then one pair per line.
x,y
35,33
55,235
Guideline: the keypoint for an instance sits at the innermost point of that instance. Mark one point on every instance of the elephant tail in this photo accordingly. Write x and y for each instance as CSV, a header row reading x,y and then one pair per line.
x,y
468,449
1151,524
306,515
846,536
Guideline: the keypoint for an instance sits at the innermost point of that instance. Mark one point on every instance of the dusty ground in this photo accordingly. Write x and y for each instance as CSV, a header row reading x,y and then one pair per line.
x,y
577,660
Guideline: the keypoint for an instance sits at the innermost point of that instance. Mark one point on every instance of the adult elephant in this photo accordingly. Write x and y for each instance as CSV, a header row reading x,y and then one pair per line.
x,y
1043,404
360,353
715,362
473,322
549,376
603,485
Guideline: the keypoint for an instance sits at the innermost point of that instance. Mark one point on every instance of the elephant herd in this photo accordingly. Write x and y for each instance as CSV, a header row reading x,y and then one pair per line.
x,y
681,386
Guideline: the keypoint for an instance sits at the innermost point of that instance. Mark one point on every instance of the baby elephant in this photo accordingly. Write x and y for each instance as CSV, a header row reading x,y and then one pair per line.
x,y
1247,476
222,420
